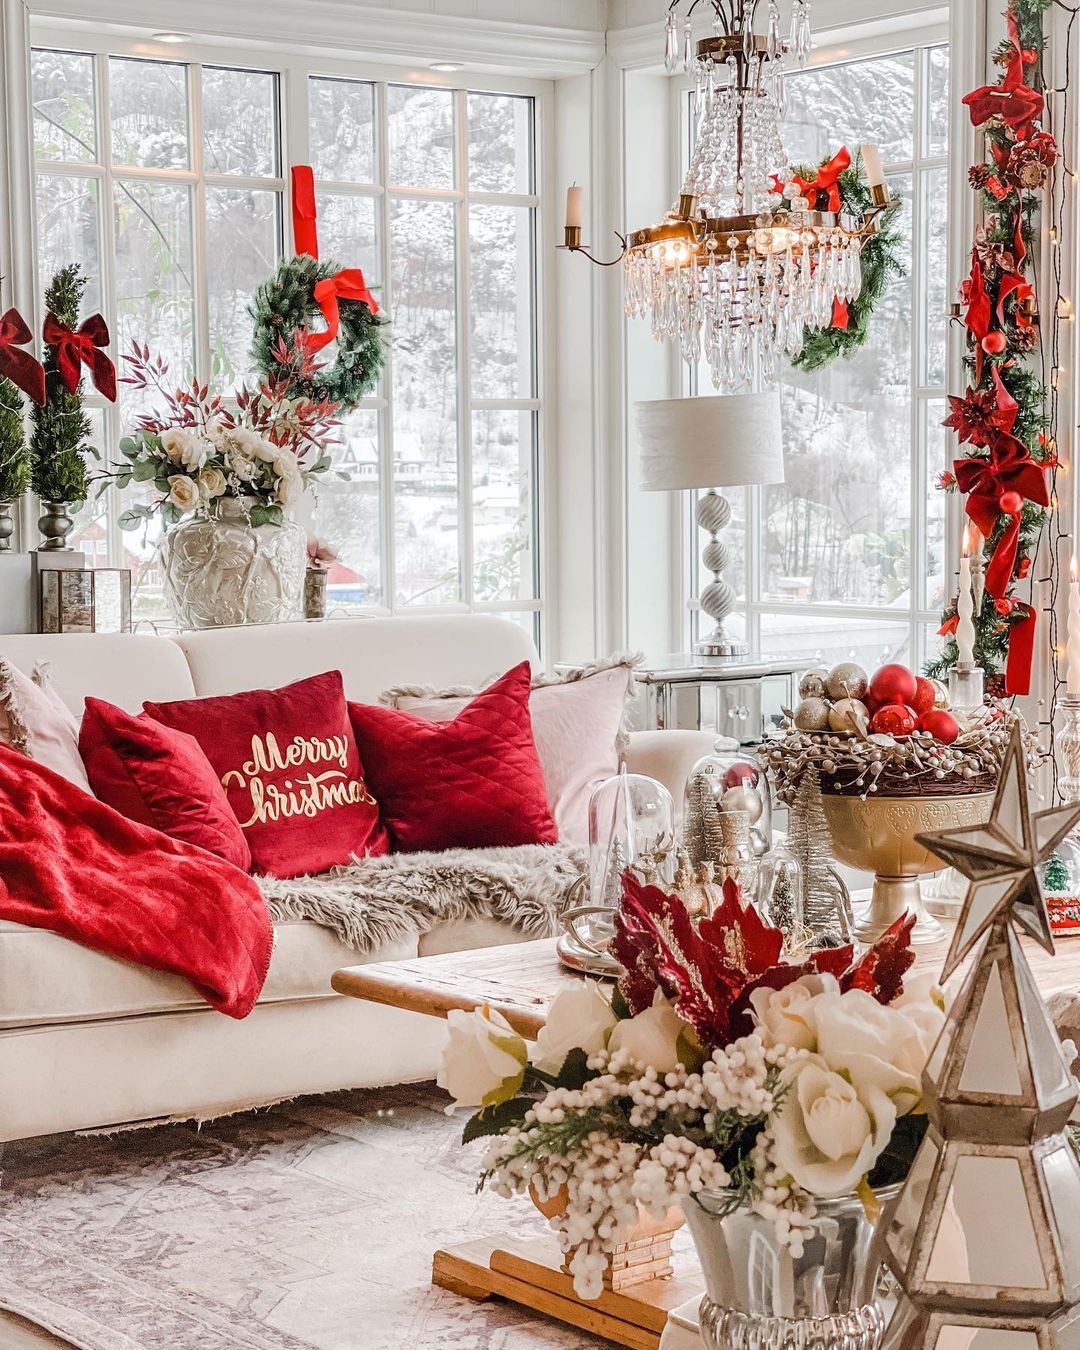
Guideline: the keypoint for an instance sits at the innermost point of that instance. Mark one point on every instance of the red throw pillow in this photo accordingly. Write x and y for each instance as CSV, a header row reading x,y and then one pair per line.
x,y
475,782
160,777
290,769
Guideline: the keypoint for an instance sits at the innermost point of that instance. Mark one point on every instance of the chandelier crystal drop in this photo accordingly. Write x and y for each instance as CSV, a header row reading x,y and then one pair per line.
x,y
736,272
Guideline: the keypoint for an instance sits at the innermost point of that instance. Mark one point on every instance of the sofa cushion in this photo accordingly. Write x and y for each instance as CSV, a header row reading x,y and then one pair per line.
x,y
45,978
160,777
473,782
287,760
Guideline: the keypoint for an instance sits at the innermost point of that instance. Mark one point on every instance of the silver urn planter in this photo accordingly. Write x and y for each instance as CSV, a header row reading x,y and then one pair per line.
x,y
760,1297
55,524
221,570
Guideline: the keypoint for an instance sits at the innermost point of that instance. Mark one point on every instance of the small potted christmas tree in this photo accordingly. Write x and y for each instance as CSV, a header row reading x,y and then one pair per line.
x,y
14,459
61,427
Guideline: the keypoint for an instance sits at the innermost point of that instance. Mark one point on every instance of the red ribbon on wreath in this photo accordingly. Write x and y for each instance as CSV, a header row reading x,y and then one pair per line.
x,y
827,180
348,284
82,346
17,366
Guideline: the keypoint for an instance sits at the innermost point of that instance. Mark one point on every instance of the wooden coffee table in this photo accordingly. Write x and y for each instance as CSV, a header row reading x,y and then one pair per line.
x,y
520,981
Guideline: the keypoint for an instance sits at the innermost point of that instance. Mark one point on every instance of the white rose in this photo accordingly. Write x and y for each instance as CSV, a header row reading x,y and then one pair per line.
x,y
828,1132
183,492
261,448
579,1019
243,466
483,1062
211,483
784,1016
290,486
652,1037
184,447
872,1044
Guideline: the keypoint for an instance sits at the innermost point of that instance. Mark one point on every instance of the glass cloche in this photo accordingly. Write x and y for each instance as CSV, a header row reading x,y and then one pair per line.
x,y
631,824
726,780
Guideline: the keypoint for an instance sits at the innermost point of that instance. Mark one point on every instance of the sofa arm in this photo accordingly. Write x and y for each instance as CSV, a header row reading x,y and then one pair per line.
x,y
668,756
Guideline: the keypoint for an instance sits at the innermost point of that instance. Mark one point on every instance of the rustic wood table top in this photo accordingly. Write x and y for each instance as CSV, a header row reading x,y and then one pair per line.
x,y
521,980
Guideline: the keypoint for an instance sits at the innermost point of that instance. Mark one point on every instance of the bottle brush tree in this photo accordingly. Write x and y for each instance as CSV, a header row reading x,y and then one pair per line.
x,y
61,426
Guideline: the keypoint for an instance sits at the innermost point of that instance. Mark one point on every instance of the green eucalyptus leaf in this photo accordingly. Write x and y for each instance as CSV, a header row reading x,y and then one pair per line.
x,y
496,1119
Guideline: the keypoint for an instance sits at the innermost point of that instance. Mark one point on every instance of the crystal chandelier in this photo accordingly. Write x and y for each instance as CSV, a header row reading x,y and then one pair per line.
x,y
735,272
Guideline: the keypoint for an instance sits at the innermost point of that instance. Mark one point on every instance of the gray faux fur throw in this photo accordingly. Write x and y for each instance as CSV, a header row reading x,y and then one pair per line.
x,y
375,901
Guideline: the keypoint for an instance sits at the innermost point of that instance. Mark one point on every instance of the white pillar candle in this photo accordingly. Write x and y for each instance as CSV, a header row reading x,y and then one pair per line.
x,y
875,173
965,607
573,207
1073,649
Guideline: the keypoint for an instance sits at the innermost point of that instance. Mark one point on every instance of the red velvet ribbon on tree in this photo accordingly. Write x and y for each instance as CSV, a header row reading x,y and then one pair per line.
x,y
1015,102
827,180
20,367
348,284
82,346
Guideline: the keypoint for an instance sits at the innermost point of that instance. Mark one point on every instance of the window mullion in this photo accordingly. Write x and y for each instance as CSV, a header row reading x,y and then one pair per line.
x,y
198,205
466,560
387,501
112,421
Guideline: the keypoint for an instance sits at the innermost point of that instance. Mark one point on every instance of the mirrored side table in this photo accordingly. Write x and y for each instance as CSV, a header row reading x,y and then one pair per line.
x,y
741,697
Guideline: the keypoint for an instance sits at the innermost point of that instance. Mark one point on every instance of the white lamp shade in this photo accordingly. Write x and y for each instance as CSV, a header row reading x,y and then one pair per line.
x,y
732,440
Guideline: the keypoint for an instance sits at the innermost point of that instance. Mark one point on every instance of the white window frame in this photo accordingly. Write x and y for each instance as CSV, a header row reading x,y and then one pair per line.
x,y
293,72
920,615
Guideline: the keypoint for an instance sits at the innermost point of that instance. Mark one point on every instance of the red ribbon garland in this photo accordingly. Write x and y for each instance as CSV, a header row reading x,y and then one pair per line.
x,y
19,367
80,347
1015,102
348,284
827,180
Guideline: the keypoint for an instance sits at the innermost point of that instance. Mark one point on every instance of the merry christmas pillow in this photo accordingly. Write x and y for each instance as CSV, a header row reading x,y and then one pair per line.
x,y
292,775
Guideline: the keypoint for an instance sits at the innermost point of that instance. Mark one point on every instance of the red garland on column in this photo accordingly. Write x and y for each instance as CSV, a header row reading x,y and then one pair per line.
x,y
1001,416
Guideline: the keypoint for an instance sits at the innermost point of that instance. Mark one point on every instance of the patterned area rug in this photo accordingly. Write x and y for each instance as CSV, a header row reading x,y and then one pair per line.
x,y
308,1226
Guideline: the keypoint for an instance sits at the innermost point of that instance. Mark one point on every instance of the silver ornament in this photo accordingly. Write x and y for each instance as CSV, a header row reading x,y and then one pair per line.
x,y
847,680
812,684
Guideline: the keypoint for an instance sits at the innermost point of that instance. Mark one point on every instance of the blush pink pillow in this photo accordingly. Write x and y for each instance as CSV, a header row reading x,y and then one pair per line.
x,y
36,721
577,725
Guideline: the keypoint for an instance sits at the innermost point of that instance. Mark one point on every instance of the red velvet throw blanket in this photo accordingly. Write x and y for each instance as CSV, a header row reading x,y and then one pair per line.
x,y
72,865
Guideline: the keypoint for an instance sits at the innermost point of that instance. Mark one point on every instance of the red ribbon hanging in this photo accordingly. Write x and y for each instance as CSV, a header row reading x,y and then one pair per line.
x,y
20,367
974,295
80,347
1021,651
348,284
827,180
841,318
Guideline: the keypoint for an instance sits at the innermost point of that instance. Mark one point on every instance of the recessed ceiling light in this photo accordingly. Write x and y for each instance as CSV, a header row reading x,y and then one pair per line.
x,y
446,67
171,37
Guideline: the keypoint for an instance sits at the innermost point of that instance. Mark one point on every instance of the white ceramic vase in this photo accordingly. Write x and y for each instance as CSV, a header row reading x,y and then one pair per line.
x,y
219,571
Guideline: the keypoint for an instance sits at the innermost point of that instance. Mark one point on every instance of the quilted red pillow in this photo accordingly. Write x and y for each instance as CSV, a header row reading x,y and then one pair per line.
x,y
290,769
160,777
475,782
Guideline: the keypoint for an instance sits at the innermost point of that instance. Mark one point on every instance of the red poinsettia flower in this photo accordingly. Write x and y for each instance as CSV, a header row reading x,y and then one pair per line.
x,y
973,417
708,970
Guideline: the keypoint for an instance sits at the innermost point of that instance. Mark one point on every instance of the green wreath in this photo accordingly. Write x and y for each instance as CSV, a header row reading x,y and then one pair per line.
x,y
880,262
286,303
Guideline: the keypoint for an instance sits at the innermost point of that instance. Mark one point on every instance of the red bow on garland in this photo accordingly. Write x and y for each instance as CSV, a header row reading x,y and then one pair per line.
x,y
827,180
1015,102
348,284
80,347
20,367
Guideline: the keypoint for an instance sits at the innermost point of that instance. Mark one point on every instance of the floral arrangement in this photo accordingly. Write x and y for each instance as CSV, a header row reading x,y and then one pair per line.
x,y
196,452
1000,420
713,1066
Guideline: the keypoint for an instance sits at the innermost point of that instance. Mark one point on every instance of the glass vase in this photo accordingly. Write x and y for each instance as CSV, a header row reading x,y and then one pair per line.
x,y
631,824
758,1296
779,897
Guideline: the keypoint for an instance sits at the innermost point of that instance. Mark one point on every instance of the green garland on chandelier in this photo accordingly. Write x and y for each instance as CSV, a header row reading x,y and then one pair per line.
x,y
879,262
284,307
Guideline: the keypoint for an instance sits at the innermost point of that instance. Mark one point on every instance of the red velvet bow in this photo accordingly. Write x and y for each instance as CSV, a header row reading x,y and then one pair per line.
x,y
80,347
20,367
827,180
974,295
987,481
1015,102
348,284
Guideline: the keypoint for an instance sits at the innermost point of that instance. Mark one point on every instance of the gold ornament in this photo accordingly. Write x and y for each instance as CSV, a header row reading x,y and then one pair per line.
x,y
812,714
847,680
849,717
812,684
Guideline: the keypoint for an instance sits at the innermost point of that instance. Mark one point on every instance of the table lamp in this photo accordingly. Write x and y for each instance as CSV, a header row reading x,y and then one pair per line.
x,y
731,440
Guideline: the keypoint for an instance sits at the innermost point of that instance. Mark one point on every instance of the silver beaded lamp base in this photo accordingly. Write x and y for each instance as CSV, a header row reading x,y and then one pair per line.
x,y
718,598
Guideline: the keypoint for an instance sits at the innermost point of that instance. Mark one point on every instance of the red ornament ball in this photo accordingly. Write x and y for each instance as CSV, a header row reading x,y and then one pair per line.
x,y
994,343
895,719
925,696
1011,503
942,725
893,684
739,774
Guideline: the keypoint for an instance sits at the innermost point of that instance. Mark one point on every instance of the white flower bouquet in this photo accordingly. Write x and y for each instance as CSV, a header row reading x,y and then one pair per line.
x,y
197,452
713,1066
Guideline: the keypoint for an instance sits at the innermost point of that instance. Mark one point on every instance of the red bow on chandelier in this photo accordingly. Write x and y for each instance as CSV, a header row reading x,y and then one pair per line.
x,y
1015,102
827,180
20,367
348,284
82,346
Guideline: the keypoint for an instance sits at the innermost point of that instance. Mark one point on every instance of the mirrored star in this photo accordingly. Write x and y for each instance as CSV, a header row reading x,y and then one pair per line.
x,y
1000,859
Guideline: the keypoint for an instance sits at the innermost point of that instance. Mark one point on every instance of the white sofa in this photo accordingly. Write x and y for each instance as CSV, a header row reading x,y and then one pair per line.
x,y
87,1041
